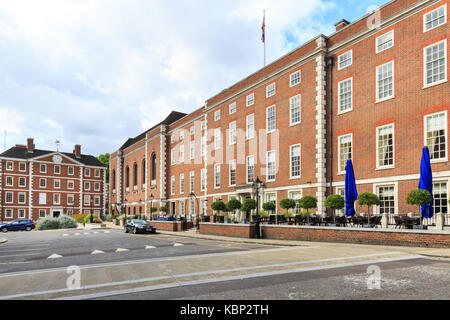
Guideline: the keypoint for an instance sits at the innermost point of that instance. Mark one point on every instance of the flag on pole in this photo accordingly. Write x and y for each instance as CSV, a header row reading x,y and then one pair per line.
x,y
263,37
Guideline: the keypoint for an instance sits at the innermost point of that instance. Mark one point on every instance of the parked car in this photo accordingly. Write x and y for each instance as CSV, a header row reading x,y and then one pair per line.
x,y
139,226
16,225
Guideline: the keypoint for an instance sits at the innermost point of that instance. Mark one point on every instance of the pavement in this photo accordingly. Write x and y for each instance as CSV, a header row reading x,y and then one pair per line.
x,y
443,253
111,264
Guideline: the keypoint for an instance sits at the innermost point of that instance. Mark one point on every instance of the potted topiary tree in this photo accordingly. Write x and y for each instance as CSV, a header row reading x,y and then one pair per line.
x,y
335,202
419,198
152,211
269,207
218,206
233,205
368,199
307,202
247,206
288,204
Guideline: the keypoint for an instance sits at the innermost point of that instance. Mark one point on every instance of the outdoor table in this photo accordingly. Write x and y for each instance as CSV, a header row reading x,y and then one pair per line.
x,y
411,221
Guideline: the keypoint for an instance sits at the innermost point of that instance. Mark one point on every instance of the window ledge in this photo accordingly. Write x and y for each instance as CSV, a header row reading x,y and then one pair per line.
x,y
434,84
384,168
439,161
384,99
345,111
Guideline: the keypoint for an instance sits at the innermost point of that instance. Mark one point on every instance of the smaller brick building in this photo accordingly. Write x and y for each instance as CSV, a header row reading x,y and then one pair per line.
x,y
38,183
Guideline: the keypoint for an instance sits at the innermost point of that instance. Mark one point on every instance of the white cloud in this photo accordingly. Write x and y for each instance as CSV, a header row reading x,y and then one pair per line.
x,y
101,71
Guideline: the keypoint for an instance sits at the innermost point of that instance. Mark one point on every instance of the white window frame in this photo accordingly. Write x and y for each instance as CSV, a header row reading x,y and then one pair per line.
x,y
299,78
87,172
391,32
95,186
181,183
430,13
232,107
25,166
252,100
217,115
58,172
269,89
24,182
21,213
181,134
267,196
299,108
87,200
425,84
70,199
42,213
339,96
446,135
339,151
192,130
9,181
217,138
246,168
377,84
172,157
9,193
232,133
181,153
45,183
216,181
192,181
69,183
172,185
252,131
24,195
269,153
42,198
88,184
58,196
97,173
203,179
267,118
9,166
290,161
339,62
378,167
43,166
97,201
73,171
231,164
192,150
55,182
376,209
8,213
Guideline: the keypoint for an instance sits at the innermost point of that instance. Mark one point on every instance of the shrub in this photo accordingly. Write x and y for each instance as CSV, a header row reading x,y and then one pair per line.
x,y
368,199
66,222
269,206
287,204
80,218
335,202
162,209
48,223
418,197
248,205
218,206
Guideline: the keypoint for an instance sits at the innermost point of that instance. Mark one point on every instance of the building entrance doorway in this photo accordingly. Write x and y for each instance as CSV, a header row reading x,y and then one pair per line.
x,y
56,214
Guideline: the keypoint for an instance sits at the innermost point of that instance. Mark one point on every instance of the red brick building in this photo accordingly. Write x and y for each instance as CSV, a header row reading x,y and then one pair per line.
x,y
375,91
38,183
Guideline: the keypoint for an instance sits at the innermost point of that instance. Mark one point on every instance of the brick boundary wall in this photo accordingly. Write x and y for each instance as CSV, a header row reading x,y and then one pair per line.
x,y
171,225
228,229
420,238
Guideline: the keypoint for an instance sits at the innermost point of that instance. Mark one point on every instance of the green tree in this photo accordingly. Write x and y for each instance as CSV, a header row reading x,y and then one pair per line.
x,y
287,204
233,204
104,159
368,199
247,206
218,206
307,202
419,197
269,206
335,202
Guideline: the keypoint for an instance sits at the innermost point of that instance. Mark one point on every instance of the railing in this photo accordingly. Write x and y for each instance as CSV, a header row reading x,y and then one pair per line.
x,y
429,221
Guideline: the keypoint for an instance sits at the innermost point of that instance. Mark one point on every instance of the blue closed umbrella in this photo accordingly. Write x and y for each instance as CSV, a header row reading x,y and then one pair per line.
x,y
426,182
351,195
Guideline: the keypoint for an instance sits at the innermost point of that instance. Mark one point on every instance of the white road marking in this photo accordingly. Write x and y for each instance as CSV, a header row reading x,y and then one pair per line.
x,y
106,231
121,250
77,234
150,247
97,252
55,256
176,258
211,280
178,244
65,235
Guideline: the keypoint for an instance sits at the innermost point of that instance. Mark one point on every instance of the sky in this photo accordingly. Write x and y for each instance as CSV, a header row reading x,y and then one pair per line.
x,y
96,72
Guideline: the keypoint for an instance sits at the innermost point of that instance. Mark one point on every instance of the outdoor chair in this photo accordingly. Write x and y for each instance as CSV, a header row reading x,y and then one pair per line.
x,y
375,221
298,219
342,221
398,222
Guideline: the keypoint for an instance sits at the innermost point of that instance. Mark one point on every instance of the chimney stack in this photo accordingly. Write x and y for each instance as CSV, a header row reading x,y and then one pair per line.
x,y
30,145
341,24
77,151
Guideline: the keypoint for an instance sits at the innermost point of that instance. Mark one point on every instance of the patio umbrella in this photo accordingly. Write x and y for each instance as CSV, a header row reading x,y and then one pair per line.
x,y
426,182
351,195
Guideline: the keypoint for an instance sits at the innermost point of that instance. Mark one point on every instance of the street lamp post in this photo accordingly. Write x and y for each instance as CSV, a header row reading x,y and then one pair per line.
x,y
140,209
256,185
191,197
151,206
125,209
92,217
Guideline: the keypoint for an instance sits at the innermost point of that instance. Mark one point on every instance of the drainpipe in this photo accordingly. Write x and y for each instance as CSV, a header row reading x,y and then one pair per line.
x,y
330,63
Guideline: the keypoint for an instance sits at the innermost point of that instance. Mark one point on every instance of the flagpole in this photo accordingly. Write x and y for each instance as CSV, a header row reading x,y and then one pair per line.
x,y
264,38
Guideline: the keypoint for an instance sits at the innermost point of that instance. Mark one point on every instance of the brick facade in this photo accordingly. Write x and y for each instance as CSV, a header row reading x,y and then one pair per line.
x,y
36,183
322,121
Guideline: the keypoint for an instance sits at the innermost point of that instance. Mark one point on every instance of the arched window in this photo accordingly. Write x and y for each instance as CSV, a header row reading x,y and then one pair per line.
x,y
135,174
154,167
143,171
127,176
114,179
